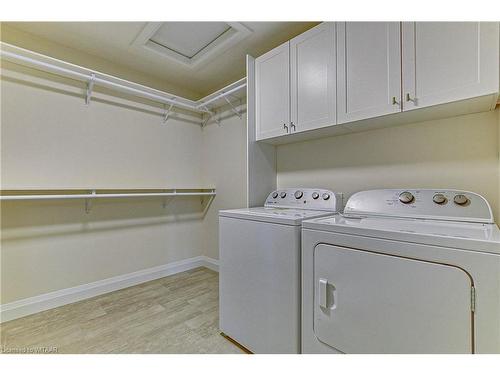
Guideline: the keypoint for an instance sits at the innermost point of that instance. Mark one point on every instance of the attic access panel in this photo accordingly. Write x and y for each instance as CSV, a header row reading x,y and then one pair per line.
x,y
190,43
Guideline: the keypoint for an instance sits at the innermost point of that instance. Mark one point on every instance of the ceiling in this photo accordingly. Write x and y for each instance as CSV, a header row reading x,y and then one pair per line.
x,y
198,57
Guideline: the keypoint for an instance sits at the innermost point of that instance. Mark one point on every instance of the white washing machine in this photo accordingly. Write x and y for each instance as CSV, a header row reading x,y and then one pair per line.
x,y
259,271
415,271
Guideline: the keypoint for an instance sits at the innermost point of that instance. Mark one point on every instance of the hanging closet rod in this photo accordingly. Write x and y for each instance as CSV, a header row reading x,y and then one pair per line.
x,y
46,63
95,195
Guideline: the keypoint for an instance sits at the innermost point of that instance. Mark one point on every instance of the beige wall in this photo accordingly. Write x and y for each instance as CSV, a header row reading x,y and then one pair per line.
x,y
54,245
224,166
460,152
50,139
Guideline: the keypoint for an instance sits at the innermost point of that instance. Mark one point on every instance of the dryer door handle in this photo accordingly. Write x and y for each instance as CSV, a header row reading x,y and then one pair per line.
x,y
322,291
327,295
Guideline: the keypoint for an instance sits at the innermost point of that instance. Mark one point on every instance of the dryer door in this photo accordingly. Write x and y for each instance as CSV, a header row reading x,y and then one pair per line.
x,y
367,302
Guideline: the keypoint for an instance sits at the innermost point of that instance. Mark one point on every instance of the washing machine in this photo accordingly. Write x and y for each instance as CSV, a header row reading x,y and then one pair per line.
x,y
402,271
259,269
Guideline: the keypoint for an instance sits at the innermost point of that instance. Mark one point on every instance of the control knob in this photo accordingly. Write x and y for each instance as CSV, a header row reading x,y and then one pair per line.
x,y
406,197
298,194
283,194
460,199
439,198
315,195
275,194
325,196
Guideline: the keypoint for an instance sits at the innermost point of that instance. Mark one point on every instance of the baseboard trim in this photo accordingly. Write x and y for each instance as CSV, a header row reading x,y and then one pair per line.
x,y
210,263
42,302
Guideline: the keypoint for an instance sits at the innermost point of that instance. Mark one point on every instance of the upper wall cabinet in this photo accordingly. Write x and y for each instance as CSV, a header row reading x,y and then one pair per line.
x,y
448,61
295,84
312,79
351,76
272,87
368,70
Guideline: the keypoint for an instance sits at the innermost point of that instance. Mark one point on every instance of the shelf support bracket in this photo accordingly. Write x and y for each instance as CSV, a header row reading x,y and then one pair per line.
x,y
167,112
90,88
88,203
166,201
204,123
210,115
233,108
234,97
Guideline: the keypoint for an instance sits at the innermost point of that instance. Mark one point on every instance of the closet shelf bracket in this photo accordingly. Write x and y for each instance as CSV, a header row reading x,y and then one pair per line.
x,y
209,116
167,112
90,88
88,203
167,200
233,108
210,197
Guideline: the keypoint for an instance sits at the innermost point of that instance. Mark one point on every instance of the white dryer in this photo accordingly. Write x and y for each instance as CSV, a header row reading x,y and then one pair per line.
x,y
413,271
259,271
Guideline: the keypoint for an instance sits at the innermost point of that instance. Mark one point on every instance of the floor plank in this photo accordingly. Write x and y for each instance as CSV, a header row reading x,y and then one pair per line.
x,y
175,314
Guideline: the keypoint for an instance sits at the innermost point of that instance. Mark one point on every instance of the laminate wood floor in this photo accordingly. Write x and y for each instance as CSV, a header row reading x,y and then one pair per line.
x,y
175,314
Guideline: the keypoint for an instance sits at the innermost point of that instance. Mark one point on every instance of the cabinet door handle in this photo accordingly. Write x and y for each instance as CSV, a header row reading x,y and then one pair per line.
x,y
292,126
409,98
394,101
285,126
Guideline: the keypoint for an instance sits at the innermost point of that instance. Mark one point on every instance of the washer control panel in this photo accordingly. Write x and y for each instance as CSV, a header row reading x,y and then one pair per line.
x,y
454,205
305,198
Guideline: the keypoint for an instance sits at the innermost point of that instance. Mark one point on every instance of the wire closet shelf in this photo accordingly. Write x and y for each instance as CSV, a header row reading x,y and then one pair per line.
x,y
13,195
94,78
95,195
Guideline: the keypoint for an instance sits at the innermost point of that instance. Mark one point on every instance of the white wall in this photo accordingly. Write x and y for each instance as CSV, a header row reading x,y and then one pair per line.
x,y
51,140
224,166
460,152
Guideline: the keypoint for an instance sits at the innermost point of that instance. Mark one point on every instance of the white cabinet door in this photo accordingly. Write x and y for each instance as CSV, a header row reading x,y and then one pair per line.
x,y
368,70
312,67
366,302
448,61
272,88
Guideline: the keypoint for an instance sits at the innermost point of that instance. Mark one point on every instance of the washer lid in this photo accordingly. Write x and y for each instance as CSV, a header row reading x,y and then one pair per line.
x,y
288,216
459,235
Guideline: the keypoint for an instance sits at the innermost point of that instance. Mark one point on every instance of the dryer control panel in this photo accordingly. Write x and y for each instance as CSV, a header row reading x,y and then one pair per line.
x,y
305,199
453,205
